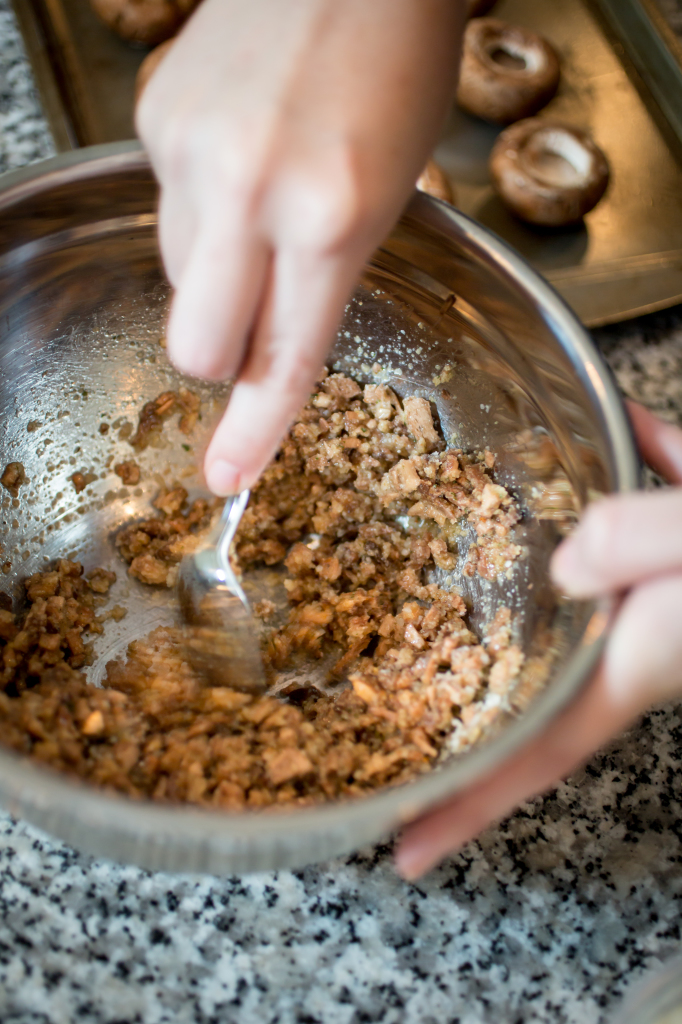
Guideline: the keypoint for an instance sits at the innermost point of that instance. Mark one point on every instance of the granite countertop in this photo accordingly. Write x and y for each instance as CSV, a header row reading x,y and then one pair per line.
x,y
549,917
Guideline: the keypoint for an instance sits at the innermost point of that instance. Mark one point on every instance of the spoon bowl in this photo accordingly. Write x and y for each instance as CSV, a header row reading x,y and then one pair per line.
x,y
220,633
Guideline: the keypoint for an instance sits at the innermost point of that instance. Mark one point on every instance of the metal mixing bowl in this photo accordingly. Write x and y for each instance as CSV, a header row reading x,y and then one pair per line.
x,y
82,306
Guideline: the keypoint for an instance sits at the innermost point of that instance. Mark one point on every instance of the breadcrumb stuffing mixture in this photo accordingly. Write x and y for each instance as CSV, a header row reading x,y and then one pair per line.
x,y
361,505
155,413
13,477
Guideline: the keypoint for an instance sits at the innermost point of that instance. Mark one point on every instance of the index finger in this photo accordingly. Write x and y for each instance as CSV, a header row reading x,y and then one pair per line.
x,y
297,324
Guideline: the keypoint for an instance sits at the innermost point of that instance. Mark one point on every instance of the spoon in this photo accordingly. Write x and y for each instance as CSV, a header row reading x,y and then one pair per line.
x,y
220,633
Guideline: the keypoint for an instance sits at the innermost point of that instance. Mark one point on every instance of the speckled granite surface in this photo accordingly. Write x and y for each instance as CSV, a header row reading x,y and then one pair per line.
x,y
549,917
24,135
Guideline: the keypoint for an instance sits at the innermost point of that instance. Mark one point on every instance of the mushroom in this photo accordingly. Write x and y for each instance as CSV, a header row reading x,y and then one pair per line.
x,y
477,8
434,180
548,173
507,72
144,22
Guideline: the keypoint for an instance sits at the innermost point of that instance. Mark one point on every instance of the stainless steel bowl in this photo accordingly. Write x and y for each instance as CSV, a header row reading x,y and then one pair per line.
x,y
82,306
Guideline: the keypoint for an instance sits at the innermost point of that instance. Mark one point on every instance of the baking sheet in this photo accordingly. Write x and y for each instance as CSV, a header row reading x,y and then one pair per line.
x,y
625,259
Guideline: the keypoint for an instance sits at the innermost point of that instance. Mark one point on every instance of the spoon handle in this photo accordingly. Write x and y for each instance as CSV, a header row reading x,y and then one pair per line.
x,y
230,519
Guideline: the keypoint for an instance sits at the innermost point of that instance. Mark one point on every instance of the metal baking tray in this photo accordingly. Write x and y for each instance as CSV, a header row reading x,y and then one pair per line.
x,y
619,82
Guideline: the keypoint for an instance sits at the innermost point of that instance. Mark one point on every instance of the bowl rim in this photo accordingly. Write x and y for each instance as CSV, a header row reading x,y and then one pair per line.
x,y
35,791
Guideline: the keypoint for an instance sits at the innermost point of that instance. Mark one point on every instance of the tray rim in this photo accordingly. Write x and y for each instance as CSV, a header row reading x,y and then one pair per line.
x,y
653,50
33,35
62,85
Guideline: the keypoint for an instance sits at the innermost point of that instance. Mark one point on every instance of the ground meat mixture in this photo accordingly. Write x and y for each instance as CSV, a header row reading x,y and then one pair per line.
x,y
13,477
82,480
78,481
48,638
362,505
155,547
155,413
129,473
355,464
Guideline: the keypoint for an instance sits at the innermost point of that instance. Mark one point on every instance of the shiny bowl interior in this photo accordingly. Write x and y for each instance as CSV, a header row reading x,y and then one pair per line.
x,y
82,303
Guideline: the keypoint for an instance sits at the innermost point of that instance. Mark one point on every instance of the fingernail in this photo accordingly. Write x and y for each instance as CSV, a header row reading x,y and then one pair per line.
x,y
223,478
570,567
413,859
566,566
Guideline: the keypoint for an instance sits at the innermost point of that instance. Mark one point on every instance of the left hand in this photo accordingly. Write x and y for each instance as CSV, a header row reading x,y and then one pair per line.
x,y
628,545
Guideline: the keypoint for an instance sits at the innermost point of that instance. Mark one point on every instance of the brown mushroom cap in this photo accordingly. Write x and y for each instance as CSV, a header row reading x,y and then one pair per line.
x,y
548,173
149,66
507,72
477,8
144,22
434,180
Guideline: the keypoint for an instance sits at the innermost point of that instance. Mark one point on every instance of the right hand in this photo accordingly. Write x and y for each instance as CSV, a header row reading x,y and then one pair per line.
x,y
286,136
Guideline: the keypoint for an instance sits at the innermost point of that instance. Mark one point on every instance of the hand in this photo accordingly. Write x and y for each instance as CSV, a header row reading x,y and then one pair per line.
x,y
286,138
628,545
